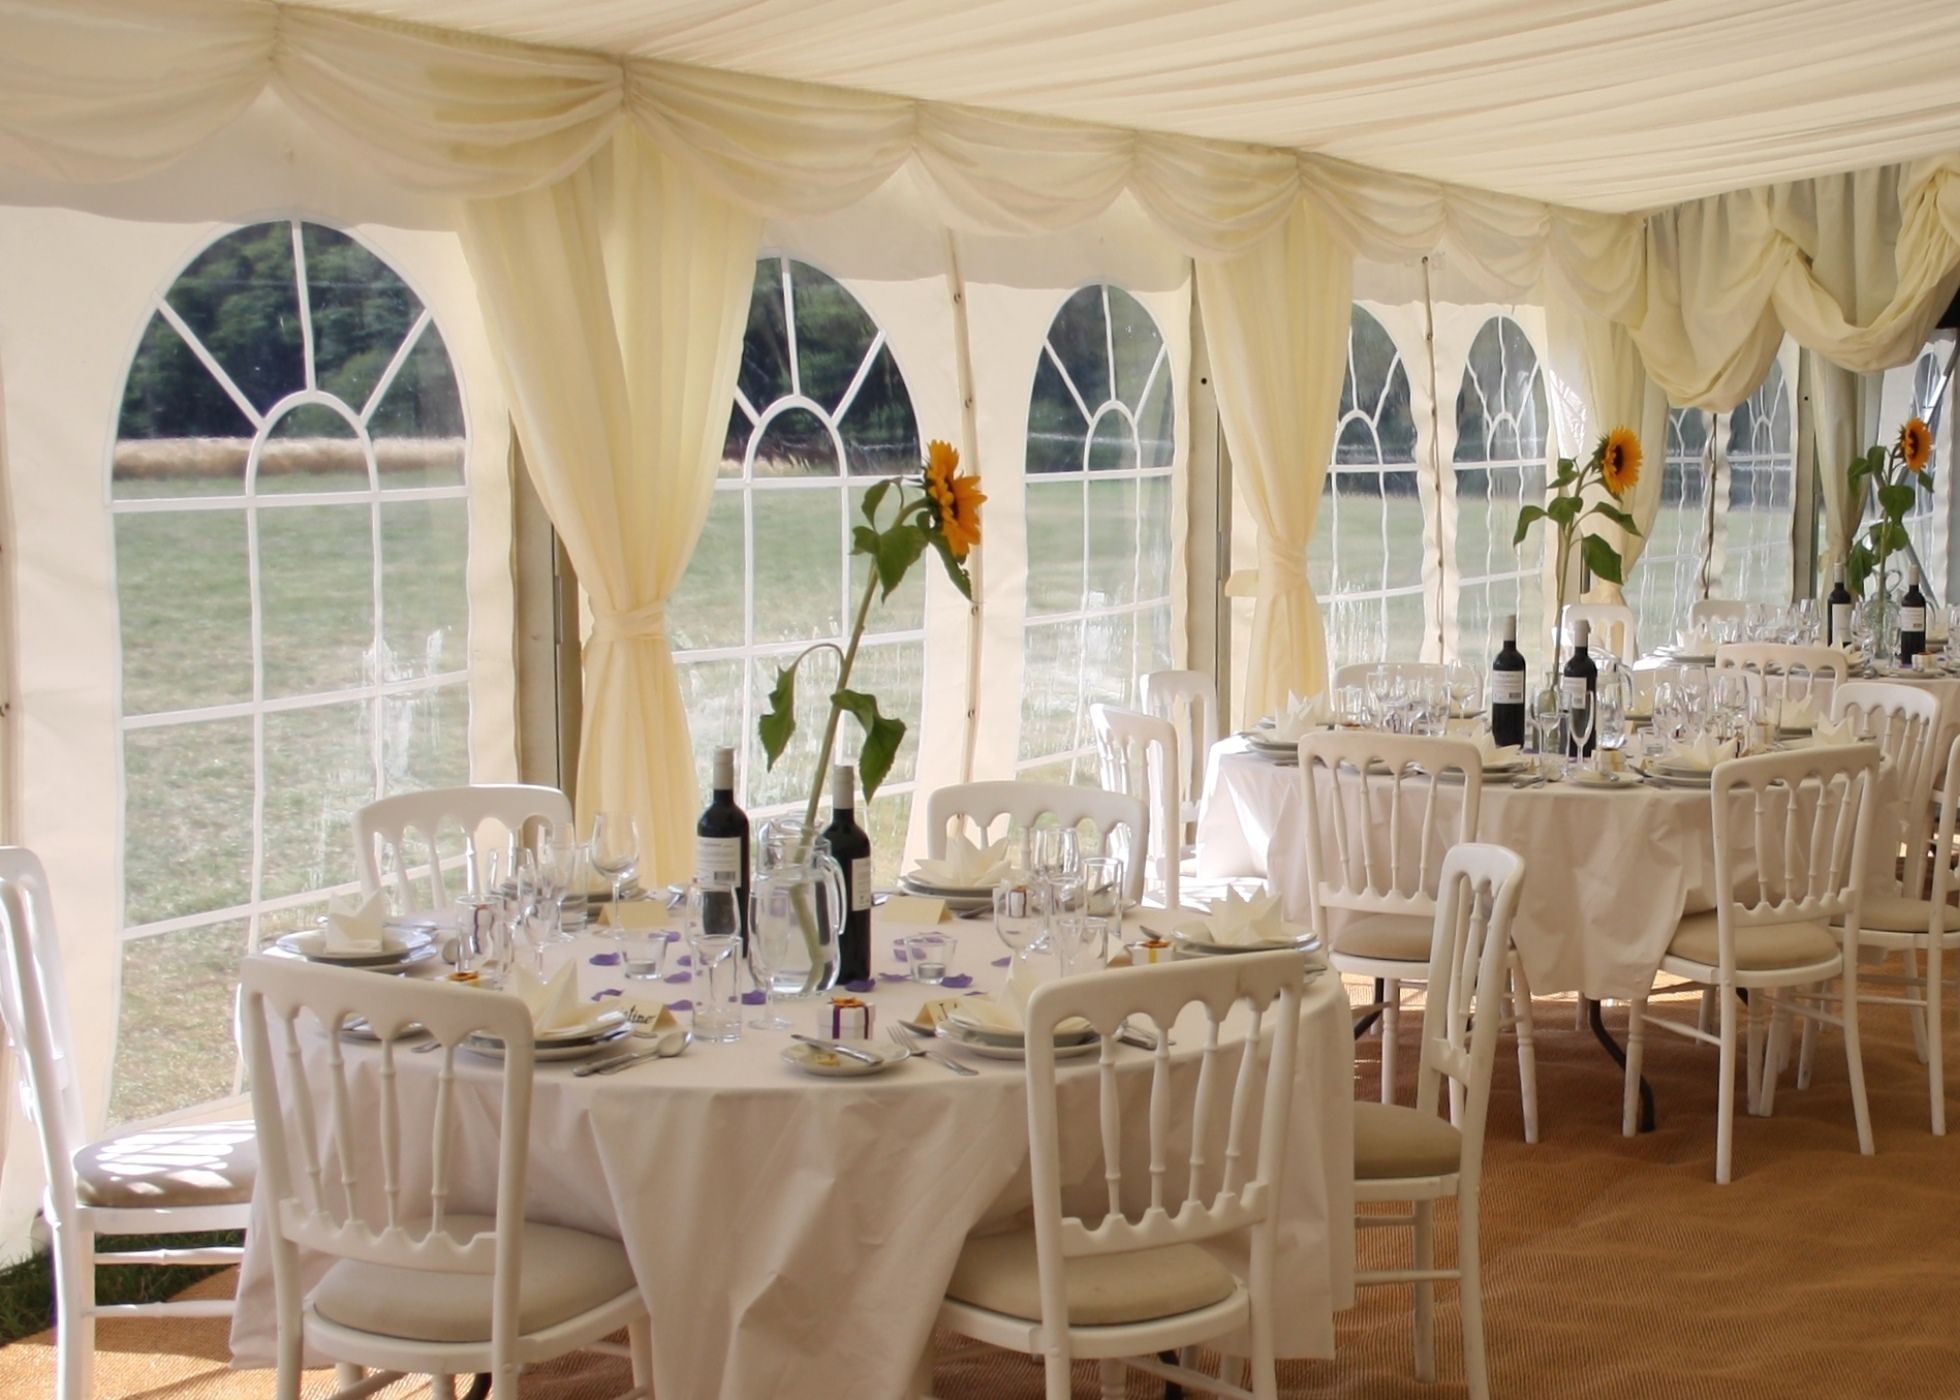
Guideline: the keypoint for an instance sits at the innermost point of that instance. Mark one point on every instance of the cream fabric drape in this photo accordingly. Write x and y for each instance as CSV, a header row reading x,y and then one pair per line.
x,y
1276,326
617,298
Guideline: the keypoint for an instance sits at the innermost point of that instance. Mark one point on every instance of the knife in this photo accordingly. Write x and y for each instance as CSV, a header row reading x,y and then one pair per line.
x,y
863,1057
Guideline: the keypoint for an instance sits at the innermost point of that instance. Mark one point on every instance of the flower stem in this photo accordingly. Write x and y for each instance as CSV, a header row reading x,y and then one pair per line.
x,y
848,659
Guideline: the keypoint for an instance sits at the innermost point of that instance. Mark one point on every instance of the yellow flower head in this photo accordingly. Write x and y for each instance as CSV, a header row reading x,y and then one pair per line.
x,y
1915,445
957,498
1619,461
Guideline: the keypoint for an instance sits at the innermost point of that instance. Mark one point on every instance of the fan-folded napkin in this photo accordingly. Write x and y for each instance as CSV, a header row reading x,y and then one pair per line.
x,y
1302,716
1491,752
1704,752
1007,1011
1828,734
1796,714
554,1005
354,924
1235,922
1692,643
965,866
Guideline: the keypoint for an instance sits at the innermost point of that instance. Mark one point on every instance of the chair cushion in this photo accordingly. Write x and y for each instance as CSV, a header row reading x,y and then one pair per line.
x,y
1392,1141
1760,949
1892,913
1398,937
998,1273
191,1164
564,1273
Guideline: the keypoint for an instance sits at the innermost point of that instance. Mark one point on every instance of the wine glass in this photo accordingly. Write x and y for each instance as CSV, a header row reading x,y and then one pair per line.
x,y
1610,716
1069,933
772,922
1053,850
1581,720
1547,718
1461,681
1017,916
1381,686
615,849
714,937
561,874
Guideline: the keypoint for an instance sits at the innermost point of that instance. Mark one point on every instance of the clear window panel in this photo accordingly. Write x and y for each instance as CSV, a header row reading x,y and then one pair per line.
x,y
795,443
1055,547
1052,705
1761,498
797,565
886,823
417,428
706,609
895,673
425,555
1114,542
186,603
179,432
711,697
174,1043
241,298
789,781
319,771
316,591
312,449
765,373
1109,668
425,738
1082,342
361,313
187,819
1154,542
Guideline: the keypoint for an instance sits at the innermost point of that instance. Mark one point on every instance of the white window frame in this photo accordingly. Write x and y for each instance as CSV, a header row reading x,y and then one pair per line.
x,y
1768,404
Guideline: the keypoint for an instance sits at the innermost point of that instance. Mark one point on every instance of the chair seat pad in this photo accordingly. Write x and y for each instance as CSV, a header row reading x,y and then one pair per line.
x,y
1760,949
1392,1141
1894,913
190,1164
1395,937
998,1273
564,1273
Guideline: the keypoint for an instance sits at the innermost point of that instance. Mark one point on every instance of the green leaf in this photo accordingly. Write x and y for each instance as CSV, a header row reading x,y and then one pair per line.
x,y
1601,558
776,727
1565,509
898,550
1616,515
1858,566
1895,501
1925,479
1527,517
874,498
955,570
882,736
1568,472
864,540
1896,540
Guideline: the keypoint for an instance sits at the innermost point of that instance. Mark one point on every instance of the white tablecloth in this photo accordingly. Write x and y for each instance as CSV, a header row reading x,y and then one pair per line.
x,y
795,1235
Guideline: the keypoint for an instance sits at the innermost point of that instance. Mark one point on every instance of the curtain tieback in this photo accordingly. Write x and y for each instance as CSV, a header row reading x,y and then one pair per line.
x,y
647,623
1281,570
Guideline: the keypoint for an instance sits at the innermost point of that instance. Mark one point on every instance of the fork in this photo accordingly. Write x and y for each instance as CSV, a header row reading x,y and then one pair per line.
x,y
907,1042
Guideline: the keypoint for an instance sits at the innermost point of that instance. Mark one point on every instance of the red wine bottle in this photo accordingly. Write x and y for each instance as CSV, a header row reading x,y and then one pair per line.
x,y
1505,691
852,848
1912,619
721,840
1838,611
1576,689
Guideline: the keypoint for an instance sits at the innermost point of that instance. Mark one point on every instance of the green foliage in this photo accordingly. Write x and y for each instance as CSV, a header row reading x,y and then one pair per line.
x,y
779,725
1895,488
882,736
1601,558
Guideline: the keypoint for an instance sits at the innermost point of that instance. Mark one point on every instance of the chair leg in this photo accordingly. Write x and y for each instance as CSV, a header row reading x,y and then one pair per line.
x,y
1854,1059
1391,1031
1725,1090
442,1387
1470,1290
1636,1045
1580,1005
1778,1053
1425,1252
1935,1039
1113,1384
74,1286
1918,1013
505,1383
1527,1048
1705,1016
1055,1364
639,1343
1807,1052
1752,1069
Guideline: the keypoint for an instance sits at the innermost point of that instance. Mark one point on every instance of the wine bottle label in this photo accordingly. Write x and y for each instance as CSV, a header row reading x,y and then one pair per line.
x,y
717,860
1506,688
861,884
1912,619
1573,689
1840,623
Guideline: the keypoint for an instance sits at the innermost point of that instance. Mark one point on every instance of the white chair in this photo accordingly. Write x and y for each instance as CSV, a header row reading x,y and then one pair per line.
x,y
1412,1154
1357,672
1611,624
1783,659
1812,809
1378,827
1116,816
1705,611
1140,757
1189,700
392,832
1123,1285
419,1284
141,1181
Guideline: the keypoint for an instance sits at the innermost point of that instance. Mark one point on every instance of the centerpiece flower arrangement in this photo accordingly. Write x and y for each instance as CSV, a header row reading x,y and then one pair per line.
x,y
1578,493
1896,477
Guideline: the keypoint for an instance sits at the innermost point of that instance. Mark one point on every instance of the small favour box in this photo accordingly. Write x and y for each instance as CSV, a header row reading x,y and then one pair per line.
x,y
844,1018
1148,951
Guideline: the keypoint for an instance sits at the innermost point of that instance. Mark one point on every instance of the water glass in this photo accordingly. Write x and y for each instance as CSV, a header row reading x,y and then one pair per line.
x,y
929,956
1053,850
714,937
772,923
1017,916
1612,721
1547,720
1068,932
642,952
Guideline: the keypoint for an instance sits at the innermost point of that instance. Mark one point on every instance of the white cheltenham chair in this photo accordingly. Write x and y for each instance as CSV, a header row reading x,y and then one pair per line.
x,y
1122,1286
1140,757
1189,700
1784,659
1113,814
1378,827
143,1181
418,1284
1357,672
1412,1154
392,831
1612,627
1812,809
1706,610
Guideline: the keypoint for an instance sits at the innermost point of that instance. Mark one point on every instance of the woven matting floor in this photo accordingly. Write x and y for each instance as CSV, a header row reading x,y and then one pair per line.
x,y
1614,1268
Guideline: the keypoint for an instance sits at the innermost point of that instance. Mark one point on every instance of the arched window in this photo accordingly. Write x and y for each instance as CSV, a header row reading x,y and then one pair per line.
x,y
1365,561
1667,578
1101,446
1499,465
291,538
1757,565
821,412
1932,386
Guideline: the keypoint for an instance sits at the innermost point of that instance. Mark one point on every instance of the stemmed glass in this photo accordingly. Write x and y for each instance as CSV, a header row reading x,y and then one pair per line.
x,y
1017,916
1547,718
1053,850
714,937
1581,719
1102,900
1612,722
1381,688
772,922
561,877
615,849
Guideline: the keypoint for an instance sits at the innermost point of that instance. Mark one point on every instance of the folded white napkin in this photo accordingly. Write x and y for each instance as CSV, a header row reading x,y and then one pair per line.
x,y
965,866
354,924
1796,714
1235,921
1007,1010
1825,734
1302,716
1695,643
554,1005
1703,752
1491,752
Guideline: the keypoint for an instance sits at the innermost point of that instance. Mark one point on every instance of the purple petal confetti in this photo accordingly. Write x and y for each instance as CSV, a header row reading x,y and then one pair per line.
x,y
674,977
1003,962
685,960
673,935
866,985
605,959
755,998
682,1005
893,977
958,981
898,953
607,992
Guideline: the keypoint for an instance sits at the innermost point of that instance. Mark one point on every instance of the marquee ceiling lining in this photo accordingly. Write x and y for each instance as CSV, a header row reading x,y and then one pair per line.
x,y
1601,104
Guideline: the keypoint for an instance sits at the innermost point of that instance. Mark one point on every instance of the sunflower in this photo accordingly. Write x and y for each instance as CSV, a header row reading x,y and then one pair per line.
x,y
957,498
1619,461
1915,447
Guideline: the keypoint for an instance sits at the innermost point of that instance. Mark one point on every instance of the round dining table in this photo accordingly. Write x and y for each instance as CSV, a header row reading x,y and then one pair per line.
x,y
794,1234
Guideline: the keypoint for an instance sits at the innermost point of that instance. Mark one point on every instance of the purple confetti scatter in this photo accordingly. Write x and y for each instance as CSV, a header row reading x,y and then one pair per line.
x,y
755,998
866,985
898,954
893,977
1003,962
685,960
957,981
674,977
673,935
604,959
607,992
682,1005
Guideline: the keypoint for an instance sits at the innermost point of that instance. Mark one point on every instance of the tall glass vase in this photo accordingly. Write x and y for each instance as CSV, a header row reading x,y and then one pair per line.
x,y
798,899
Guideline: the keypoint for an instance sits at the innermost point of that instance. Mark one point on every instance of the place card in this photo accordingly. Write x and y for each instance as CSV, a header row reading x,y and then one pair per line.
x,y
912,909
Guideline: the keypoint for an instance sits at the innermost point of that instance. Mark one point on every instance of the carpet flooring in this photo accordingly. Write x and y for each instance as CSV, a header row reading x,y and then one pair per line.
x,y
1615,1268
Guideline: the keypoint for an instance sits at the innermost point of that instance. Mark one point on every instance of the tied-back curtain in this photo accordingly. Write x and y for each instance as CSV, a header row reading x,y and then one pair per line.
x,y
616,299
1276,326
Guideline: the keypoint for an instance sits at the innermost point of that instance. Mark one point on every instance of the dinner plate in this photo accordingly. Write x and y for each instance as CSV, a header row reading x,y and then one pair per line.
x,y
829,1065
401,946
1302,942
960,901
994,1035
990,1050
599,1025
1602,782
357,1028
545,1052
